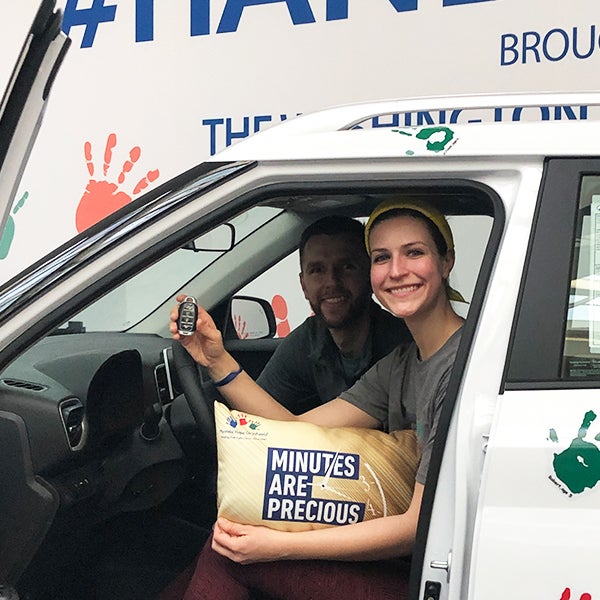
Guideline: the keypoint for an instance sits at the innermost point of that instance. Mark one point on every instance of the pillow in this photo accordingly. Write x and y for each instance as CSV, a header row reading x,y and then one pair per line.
x,y
296,476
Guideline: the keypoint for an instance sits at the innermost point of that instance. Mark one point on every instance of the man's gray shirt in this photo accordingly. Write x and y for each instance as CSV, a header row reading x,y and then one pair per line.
x,y
307,368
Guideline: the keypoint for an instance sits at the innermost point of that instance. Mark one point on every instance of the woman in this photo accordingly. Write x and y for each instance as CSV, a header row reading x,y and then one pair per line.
x,y
412,254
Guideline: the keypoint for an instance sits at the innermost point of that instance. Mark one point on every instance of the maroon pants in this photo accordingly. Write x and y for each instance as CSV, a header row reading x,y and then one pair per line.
x,y
218,578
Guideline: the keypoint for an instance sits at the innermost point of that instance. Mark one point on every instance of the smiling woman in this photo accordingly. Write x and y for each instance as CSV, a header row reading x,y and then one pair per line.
x,y
412,254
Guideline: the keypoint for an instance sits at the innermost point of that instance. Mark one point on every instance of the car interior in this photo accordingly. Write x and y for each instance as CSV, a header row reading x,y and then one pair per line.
x,y
119,419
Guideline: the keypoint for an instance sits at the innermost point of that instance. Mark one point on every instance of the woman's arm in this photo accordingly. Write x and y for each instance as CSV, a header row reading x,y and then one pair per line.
x,y
243,393
378,539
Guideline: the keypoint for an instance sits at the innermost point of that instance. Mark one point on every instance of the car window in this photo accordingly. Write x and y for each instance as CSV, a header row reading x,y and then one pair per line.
x,y
280,286
130,302
581,354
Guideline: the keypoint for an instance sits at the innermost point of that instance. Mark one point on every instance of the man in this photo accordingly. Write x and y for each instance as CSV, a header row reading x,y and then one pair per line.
x,y
348,332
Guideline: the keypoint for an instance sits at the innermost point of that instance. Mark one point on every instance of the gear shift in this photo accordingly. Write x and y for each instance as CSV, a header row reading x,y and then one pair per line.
x,y
150,429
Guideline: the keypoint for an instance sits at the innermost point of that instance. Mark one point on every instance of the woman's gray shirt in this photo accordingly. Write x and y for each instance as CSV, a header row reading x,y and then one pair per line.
x,y
403,392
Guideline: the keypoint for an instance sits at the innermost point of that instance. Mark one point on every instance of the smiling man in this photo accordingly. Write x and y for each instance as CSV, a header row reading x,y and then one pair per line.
x,y
348,332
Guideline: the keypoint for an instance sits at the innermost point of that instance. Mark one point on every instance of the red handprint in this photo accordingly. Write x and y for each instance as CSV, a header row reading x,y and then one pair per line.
x,y
101,198
566,595
240,327
280,309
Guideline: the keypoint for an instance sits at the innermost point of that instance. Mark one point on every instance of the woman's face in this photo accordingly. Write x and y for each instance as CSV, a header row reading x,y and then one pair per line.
x,y
407,272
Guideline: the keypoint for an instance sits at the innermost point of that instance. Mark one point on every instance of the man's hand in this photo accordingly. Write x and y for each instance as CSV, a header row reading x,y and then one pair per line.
x,y
247,544
206,344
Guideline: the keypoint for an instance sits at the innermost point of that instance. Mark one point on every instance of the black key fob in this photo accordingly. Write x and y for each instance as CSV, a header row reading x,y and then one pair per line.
x,y
187,317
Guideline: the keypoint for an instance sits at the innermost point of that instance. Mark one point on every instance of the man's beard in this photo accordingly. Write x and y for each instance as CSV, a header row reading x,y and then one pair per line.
x,y
356,310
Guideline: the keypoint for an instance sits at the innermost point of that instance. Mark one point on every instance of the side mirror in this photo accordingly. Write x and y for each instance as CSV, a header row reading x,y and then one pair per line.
x,y
219,239
249,318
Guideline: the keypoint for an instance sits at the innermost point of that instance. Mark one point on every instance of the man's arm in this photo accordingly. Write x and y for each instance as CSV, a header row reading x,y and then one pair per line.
x,y
378,539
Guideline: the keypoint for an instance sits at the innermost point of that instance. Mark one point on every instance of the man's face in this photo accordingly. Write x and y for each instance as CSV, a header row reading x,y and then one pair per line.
x,y
335,278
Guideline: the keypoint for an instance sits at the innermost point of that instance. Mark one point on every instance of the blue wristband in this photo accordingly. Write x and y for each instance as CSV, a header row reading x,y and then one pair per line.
x,y
228,378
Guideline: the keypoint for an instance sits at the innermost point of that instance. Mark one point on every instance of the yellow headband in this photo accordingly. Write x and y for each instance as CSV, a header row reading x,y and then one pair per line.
x,y
433,214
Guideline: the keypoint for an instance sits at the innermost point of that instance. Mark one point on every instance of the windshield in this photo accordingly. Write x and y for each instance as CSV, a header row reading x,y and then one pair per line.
x,y
129,303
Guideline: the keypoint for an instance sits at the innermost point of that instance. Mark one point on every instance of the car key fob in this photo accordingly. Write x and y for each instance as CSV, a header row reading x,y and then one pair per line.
x,y
187,317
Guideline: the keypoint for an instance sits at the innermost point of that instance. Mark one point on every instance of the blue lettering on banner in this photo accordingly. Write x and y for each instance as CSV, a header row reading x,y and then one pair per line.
x,y
289,486
553,45
300,12
224,127
457,2
223,131
144,20
89,17
199,17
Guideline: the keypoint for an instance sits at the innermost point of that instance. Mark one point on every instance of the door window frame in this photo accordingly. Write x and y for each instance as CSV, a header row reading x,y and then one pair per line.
x,y
536,346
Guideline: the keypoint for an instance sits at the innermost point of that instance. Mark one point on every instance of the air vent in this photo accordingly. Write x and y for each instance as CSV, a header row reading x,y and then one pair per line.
x,y
164,379
27,385
162,384
72,413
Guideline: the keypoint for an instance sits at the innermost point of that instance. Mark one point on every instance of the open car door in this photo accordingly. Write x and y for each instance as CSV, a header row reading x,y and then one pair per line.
x,y
21,112
24,98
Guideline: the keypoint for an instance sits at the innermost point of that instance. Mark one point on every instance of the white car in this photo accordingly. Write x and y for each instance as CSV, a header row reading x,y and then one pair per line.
x,y
106,435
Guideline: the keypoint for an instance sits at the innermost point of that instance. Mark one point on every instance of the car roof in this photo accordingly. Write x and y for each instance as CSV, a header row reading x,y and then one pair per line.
x,y
537,125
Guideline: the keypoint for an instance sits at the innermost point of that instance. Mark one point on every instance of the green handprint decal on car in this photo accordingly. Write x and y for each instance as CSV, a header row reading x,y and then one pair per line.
x,y
437,139
578,466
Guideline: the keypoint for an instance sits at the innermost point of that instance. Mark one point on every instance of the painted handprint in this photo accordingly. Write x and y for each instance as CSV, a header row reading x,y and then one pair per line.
x,y
240,327
280,309
566,595
578,466
103,197
9,229
243,421
437,139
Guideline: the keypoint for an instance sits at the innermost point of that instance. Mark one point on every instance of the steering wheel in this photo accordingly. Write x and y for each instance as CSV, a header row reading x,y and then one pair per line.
x,y
199,391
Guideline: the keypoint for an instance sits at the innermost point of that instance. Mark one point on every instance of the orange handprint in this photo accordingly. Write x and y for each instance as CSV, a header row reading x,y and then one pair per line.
x,y
101,198
280,309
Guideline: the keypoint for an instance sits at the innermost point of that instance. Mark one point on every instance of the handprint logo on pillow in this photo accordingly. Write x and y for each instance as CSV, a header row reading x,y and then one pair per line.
x,y
103,197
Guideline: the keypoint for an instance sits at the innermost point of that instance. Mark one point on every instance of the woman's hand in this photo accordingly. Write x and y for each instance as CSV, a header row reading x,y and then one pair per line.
x,y
205,345
246,544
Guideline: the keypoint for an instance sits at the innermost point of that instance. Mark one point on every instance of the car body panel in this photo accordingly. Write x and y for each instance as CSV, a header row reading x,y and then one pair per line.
x,y
528,522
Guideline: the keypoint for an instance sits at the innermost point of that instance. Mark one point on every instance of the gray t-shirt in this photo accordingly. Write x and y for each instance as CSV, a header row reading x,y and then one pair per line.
x,y
307,369
403,392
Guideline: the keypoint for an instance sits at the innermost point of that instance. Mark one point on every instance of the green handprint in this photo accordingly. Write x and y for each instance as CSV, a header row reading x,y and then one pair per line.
x,y
442,136
9,229
438,145
578,467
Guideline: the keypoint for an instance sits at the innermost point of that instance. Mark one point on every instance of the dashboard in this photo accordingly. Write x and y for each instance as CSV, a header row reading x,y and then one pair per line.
x,y
84,418
77,393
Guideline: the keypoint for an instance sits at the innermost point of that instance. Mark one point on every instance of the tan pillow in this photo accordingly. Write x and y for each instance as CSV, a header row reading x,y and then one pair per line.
x,y
296,476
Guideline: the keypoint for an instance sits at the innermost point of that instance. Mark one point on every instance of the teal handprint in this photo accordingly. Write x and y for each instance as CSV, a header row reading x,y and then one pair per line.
x,y
437,144
438,139
9,229
578,467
